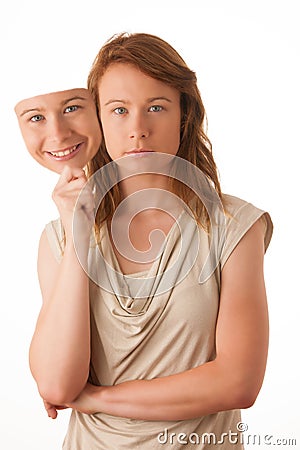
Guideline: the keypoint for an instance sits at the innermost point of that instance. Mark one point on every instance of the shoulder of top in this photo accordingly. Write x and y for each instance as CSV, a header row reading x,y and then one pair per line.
x,y
232,203
55,225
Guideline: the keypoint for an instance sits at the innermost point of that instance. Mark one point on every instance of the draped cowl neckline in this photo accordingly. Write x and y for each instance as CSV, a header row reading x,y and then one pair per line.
x,y
134,292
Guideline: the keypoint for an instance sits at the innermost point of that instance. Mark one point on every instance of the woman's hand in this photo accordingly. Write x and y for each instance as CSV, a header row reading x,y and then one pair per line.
x,y
89,400
69,198
52,409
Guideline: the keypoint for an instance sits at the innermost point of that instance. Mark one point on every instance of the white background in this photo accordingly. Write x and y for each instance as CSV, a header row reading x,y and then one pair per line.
x,y
246,55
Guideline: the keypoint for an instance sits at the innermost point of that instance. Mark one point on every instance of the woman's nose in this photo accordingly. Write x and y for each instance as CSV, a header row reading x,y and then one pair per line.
x,y
139,127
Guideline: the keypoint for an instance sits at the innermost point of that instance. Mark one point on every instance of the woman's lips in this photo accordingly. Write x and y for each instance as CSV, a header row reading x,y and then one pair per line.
x,y
64,155
138,152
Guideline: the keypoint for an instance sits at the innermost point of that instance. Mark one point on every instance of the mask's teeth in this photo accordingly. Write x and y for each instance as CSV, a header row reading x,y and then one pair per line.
x,y
64,153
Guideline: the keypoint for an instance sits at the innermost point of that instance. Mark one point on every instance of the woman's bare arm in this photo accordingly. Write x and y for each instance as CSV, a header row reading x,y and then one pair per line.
x,y
60,347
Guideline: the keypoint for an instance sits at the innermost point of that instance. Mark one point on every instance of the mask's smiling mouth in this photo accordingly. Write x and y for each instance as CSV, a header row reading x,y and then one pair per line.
x,y
65,154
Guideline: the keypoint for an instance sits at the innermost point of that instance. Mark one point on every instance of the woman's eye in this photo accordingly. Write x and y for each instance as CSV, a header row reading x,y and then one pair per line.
x,y
36,118
121,110
71,108
155,108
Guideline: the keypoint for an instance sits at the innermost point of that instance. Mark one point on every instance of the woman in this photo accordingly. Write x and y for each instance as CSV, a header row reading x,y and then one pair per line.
x,y
167,365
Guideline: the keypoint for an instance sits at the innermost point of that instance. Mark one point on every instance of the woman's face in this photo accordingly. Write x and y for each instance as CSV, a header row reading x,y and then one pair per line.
x,y
60,128
138,113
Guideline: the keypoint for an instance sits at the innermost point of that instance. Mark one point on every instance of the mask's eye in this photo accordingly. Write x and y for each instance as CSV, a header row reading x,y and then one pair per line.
x,y
36,118
155,108
120,110
71,108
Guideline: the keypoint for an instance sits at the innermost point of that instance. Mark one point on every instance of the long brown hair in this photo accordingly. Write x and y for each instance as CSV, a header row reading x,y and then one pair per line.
x,y
158,59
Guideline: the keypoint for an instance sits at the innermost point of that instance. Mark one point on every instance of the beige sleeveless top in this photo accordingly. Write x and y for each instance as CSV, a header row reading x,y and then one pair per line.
x,y
155,324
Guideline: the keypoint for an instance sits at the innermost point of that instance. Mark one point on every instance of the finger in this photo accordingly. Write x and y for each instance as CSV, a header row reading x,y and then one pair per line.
x,y
65,176
51,410
78,173
52,413
71,188
69,174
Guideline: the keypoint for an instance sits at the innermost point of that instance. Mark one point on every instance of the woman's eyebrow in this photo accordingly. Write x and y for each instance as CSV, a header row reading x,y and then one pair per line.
x,y
64,102
149,100
154,99
116,100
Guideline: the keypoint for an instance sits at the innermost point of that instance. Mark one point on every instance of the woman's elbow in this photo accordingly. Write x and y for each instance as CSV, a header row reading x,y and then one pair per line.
x,y
60,394
245,394
58,389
